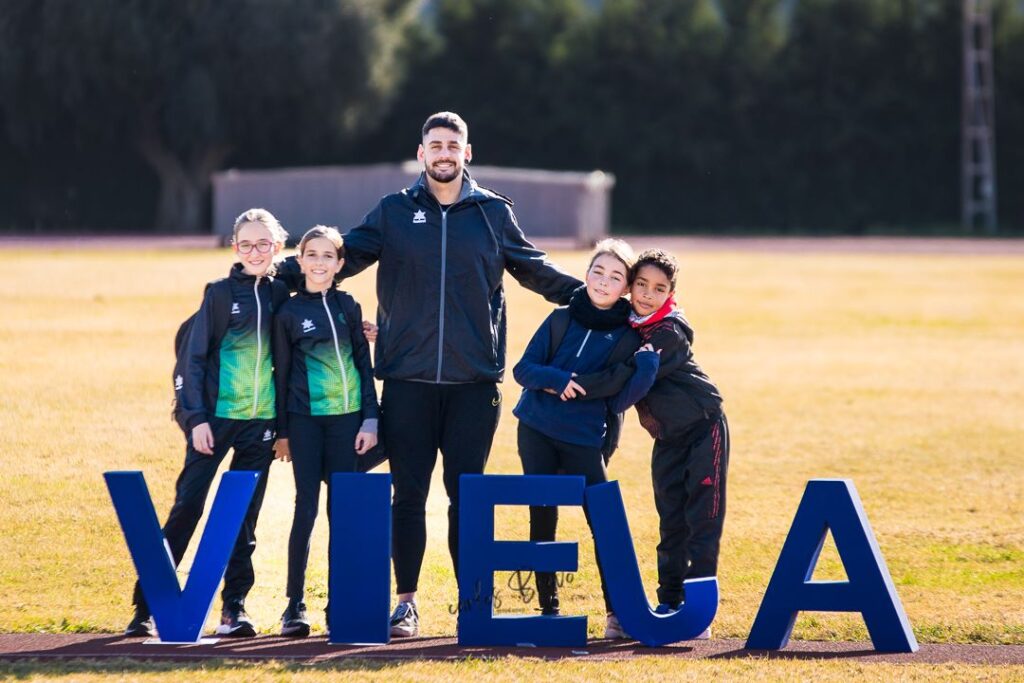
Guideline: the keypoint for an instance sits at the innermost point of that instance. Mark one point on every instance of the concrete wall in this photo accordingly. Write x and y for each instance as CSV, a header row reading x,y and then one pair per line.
x,y
549,204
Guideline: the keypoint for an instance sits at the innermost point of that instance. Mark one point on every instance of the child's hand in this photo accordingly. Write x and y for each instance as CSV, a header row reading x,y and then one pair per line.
x,y
202,438
572,390
647,347
365,441
370,331
282,451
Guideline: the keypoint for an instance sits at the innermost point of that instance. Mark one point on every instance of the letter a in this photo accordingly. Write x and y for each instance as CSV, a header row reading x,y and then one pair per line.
x,y
179,614
832,504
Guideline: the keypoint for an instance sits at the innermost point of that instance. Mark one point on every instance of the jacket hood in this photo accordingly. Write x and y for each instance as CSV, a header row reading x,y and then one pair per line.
x,y
680,320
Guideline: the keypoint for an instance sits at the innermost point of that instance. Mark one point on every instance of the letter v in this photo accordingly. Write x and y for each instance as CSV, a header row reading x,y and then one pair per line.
x,y
179,614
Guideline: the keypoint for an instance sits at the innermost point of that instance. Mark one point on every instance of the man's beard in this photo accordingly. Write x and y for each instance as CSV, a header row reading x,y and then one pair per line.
x,y
444,177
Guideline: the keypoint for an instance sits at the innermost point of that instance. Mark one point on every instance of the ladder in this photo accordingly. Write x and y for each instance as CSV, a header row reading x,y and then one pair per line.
x,y
978,131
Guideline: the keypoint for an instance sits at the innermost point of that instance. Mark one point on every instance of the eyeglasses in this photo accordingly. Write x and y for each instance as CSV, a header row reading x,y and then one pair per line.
x,y
263,246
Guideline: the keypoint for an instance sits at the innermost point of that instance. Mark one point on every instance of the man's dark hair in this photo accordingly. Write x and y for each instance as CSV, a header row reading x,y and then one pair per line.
x,y
660,259
446,119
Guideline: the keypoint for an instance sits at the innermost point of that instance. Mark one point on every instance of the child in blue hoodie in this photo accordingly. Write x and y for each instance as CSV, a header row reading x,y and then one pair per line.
x,y
559,436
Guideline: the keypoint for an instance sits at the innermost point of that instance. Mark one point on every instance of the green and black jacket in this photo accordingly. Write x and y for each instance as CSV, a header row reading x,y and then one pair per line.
x,y
232,377
322,359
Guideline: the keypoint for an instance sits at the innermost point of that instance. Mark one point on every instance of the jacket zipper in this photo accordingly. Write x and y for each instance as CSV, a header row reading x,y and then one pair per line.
x,y
444,265
259,349
337,349
585,338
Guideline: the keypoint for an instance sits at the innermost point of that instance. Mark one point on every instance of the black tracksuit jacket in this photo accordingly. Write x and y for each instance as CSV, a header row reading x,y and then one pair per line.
x,y
440,299
683,398
321,358
233,380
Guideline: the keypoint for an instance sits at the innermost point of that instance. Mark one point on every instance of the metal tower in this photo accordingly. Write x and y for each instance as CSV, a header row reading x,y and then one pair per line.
x,y
978,129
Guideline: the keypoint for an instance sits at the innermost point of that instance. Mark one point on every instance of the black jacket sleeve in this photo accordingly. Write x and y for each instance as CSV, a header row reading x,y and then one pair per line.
x,y
675,352
364,242
361,358
530,266
198,348
281,346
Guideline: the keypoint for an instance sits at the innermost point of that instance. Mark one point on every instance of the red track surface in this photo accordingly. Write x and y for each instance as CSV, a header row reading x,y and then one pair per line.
x,y
20,646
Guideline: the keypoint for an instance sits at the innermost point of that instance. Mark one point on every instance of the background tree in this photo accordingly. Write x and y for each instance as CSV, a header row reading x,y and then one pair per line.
x,y
189,85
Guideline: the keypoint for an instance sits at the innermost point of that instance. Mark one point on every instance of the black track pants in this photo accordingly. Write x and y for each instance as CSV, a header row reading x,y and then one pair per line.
x,y
320,445
253,442
418,420
540,454
689,493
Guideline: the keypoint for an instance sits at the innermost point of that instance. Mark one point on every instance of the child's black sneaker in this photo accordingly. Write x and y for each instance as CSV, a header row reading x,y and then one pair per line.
x,y
235,623
294,623
141,626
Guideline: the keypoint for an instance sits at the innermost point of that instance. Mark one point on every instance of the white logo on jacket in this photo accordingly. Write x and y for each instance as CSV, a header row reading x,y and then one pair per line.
x,y
268,435
179,382
307,325
419,217
234,309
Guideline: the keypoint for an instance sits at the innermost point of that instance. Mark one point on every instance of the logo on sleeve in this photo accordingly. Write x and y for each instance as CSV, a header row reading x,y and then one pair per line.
x,y
419,217
179,382
307,325
234,308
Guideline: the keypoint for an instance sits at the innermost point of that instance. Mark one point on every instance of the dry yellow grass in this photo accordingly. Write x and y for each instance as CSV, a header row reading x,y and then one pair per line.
x,y
513,670
904,373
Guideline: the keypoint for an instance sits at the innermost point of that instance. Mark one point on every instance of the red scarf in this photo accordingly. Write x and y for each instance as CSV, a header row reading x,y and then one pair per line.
x,y
660,314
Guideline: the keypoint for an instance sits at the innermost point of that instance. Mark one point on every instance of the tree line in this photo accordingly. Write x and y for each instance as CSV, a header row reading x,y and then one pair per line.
x,y
714,115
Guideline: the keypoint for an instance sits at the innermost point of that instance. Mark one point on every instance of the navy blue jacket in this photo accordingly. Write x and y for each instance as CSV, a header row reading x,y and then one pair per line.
x,y
581,351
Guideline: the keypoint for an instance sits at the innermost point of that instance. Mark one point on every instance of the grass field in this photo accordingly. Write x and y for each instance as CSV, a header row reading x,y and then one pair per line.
x,y
904,373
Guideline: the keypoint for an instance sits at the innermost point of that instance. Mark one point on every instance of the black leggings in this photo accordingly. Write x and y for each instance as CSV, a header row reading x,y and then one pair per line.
x,y
419,419
541,454
252,441
320,445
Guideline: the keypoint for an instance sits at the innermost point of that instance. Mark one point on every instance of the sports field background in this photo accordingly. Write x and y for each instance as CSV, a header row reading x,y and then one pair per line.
x,y
904,372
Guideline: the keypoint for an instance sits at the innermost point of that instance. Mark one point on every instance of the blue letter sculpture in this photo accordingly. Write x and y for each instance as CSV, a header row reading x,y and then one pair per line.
x,y
179,614
359,582
481,556
625,588
832,504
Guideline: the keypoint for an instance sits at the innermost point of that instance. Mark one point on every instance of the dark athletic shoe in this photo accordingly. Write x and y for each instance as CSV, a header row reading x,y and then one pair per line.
x,y
141,626
294,623
235,623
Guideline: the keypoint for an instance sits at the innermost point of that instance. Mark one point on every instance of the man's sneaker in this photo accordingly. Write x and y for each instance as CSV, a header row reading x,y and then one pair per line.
x,y
294,623
665,608
405,622
141,626
704,635
235,623
612,628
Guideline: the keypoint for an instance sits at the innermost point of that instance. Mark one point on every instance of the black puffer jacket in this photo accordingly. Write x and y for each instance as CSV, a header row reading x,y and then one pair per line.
x,y
440,299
